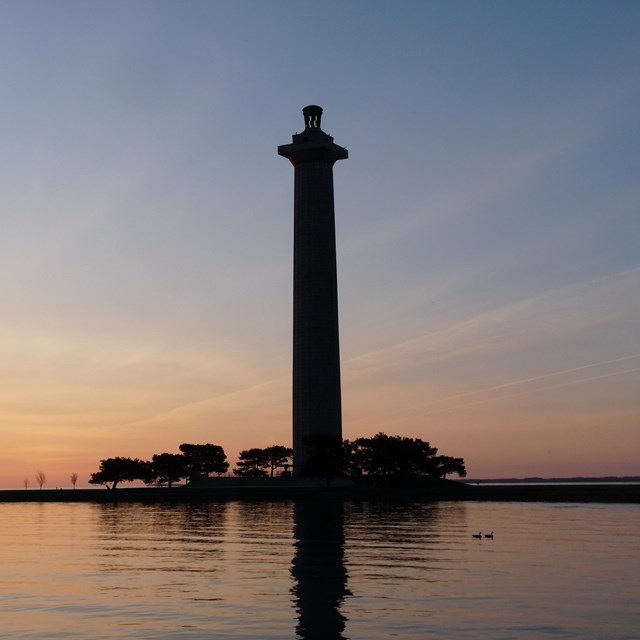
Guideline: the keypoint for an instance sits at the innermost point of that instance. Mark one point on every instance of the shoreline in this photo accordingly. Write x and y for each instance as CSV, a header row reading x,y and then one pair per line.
x,y
448,491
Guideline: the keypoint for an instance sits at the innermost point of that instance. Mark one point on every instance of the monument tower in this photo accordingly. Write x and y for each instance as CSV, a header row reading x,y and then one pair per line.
x,y
317,406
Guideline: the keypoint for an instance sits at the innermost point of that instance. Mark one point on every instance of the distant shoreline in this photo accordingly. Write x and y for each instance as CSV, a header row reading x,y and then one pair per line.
x,y
571,480
443,491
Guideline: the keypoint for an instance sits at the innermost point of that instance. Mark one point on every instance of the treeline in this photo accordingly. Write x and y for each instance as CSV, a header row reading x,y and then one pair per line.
x,y
381,456
397,456
194,462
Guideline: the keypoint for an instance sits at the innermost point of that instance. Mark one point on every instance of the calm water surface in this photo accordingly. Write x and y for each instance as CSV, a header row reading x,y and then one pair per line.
x,y
325,570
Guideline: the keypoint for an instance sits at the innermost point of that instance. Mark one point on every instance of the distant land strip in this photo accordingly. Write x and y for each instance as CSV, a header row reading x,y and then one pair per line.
x,y
595,479
604,492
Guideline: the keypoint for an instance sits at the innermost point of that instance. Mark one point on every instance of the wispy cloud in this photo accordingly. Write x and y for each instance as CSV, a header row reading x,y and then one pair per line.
x,y
569,310
489,394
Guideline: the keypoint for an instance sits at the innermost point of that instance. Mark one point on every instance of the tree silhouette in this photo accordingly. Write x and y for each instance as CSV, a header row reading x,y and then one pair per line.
x,y
395,456
386,456
446,465
167,468
262,462
351,458
204,459
74,479
113,471
277,456
41,478
252,462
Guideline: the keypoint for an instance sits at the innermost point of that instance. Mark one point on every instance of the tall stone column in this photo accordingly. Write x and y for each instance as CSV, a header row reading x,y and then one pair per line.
x,y
317,406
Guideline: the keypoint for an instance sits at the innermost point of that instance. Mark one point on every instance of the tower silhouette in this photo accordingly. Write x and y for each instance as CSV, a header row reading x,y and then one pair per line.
x,y
317,405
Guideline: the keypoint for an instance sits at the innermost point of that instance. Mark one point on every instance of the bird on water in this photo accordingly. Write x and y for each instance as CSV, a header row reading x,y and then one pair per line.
x,y
477,535
488,535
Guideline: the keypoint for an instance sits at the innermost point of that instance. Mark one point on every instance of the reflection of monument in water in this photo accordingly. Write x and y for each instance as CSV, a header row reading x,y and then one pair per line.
x,y
317,410
318,569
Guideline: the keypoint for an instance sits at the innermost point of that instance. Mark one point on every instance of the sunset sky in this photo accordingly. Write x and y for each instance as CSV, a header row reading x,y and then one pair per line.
x,y
488,227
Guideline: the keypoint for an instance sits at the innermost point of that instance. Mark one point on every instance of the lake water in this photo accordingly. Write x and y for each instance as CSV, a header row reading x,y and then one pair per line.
x,y
325,570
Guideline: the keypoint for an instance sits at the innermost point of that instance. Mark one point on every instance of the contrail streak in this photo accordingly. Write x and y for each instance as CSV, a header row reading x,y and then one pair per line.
x,y
514,383
538,389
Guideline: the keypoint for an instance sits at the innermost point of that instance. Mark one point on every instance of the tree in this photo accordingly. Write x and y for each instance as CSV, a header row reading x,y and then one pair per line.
x,y
396,456
26,483
446,464
74,479
252,462
116,470
352,457
167,468
203,459
262,462
41,478
277,456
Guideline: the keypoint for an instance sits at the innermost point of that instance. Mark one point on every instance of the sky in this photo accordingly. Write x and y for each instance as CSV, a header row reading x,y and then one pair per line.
x,y
488,227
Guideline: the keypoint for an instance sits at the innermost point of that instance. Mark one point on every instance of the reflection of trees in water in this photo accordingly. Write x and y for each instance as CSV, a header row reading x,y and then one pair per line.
x,y
260,519
117,520
318,570
405,534
397,522
397,548
175,537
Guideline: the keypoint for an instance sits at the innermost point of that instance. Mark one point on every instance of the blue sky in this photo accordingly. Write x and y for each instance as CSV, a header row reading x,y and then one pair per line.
x,y
487,222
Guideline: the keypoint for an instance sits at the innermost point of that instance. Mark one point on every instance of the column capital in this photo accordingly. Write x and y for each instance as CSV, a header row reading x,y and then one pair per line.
x,y
313,144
